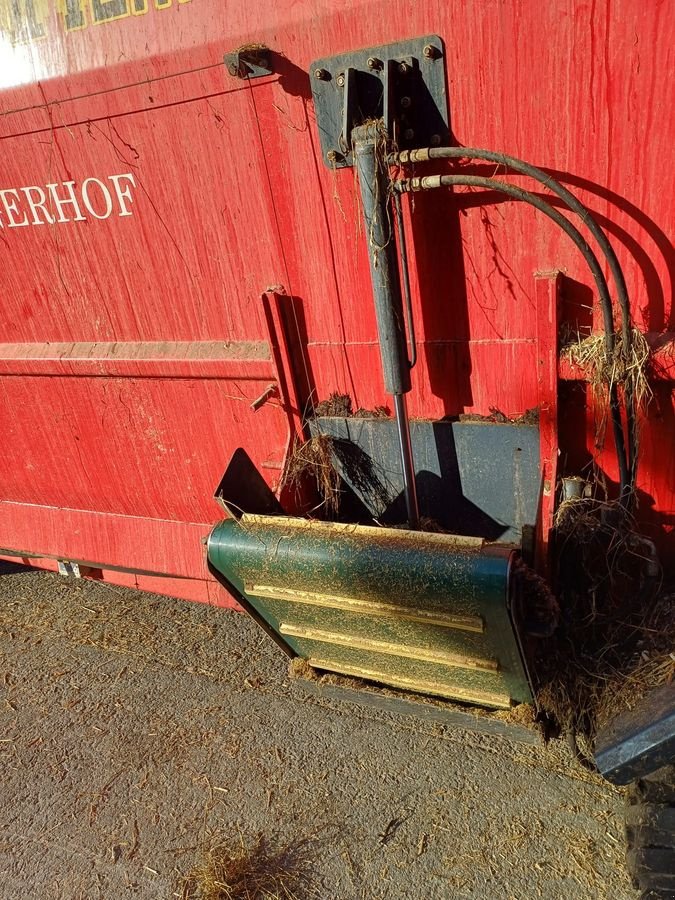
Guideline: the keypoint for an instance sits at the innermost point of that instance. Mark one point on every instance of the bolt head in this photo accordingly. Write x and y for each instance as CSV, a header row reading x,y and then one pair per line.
x,y
403,68
373,62
430,52
322,74
409,134
435,140
406,102
332,155
340,80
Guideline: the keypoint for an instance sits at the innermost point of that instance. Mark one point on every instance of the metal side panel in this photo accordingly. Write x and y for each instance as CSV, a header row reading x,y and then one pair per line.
x,y
413,610
640,740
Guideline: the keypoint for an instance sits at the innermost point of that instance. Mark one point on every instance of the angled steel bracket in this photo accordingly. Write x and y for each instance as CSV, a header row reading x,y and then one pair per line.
x,y
249,61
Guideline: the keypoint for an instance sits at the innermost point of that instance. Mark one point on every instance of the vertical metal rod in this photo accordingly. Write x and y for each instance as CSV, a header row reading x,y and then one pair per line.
x,y
400,234
384,273
409,486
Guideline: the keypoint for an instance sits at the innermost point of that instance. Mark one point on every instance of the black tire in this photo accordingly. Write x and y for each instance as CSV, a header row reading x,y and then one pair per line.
x,y
650,833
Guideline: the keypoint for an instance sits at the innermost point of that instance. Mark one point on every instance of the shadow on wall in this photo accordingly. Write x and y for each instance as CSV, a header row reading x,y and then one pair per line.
x,y
442,271
441,276
658,306
655,467
658,309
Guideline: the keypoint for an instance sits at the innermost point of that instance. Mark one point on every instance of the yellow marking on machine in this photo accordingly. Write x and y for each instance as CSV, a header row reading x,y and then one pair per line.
x,y
28,21
481,698
419,654
392,535
369,607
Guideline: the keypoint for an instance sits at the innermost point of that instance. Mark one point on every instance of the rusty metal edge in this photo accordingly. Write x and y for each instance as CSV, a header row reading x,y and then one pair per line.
x,y
401,703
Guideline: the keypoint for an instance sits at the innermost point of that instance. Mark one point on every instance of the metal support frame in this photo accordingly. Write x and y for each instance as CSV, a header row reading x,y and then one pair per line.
x,y
251,61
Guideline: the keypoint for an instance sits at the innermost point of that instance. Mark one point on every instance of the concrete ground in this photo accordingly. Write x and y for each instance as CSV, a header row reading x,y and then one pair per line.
x,y
136,730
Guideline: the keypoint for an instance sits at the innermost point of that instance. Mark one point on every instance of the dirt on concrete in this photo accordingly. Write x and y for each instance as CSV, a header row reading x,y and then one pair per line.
x,y
137,731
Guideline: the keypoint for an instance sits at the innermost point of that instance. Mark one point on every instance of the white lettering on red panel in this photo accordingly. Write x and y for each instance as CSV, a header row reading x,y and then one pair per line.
x,y
67,201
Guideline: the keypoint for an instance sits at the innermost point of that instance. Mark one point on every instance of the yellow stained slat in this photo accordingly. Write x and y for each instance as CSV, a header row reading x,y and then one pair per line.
x,y
368,607
402,535
452,692
420,654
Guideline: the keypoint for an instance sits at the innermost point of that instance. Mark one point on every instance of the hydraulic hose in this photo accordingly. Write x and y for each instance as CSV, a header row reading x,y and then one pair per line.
x,y
524,168
438,181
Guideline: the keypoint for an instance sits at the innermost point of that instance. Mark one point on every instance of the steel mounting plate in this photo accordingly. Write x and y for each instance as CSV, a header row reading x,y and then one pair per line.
x,y
417,94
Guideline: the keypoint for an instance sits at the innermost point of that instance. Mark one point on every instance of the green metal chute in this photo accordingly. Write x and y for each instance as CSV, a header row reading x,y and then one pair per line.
x,y
413,610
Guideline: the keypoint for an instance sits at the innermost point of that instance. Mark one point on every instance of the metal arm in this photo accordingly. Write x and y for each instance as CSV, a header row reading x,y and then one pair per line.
x,y
367,141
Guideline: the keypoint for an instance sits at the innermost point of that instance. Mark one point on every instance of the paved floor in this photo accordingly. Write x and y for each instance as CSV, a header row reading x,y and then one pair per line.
x,y
135,730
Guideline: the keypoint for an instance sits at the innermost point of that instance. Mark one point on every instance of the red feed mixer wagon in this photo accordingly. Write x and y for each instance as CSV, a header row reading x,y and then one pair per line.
x,y
360,318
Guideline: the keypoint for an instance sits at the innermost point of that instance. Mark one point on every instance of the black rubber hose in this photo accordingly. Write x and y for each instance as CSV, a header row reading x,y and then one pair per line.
x,y
437,181
518,165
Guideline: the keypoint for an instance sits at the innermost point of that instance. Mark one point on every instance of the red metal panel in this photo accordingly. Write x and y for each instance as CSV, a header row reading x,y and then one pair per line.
x,y
120,407
148,545
548,303
194,589
151,447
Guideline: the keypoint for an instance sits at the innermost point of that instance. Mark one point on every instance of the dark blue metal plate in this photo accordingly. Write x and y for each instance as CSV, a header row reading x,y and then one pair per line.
x,y
641,740
473,478
417,95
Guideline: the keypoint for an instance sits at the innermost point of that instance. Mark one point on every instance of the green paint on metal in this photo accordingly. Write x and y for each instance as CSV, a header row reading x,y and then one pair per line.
x,y
428,609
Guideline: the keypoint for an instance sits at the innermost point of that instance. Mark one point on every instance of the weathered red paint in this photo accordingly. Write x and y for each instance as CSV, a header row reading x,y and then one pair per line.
x,y
547,293
134,345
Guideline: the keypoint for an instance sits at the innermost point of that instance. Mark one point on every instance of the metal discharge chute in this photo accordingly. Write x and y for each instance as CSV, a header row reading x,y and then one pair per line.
x,y
442,614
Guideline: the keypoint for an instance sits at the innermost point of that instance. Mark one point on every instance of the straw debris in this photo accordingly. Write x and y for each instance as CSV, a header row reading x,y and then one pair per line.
x,y
260,869
362,473
379,412
617,636
529,417
300,668
540,608
581,519
622,366
338,405
523,714
326,460
601,682
314,460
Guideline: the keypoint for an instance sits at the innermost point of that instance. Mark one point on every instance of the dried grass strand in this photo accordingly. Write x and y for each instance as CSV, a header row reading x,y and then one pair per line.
x,y
618,636
623,366
314,459
260,869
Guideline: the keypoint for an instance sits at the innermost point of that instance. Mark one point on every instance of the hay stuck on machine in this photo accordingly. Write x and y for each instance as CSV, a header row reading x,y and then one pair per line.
x,y
619,366
616,642
314,460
